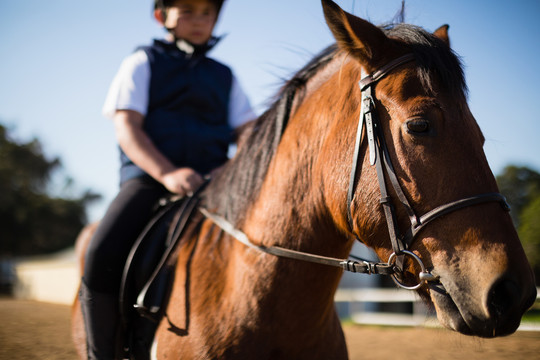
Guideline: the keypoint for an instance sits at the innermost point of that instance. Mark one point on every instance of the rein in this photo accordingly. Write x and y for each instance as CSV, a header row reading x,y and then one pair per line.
x,y
364,267
378,156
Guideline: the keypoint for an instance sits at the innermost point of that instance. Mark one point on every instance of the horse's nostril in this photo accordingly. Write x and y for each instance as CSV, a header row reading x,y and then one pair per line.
x,y
530,300
506,303
503,298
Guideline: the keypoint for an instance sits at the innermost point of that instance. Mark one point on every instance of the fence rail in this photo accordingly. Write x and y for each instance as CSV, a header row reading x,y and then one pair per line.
x,y
355,305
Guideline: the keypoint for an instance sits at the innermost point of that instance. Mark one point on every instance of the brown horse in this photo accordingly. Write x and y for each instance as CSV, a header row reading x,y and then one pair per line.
x,y
287,186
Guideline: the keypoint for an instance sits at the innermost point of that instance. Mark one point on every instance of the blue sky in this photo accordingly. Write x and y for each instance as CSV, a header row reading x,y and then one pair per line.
x,y
59,56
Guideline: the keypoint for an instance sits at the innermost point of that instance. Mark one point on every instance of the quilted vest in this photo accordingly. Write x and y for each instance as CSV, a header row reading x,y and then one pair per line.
x,y
187,117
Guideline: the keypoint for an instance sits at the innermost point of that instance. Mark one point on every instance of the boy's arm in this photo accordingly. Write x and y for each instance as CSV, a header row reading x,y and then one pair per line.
x,y
139,148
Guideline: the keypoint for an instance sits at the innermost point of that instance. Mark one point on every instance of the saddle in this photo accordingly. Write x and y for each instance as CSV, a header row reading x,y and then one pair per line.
x,y
148,274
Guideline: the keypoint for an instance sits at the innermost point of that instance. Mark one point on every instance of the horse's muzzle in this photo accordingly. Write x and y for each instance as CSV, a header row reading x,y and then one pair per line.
x,y
506,305
499,314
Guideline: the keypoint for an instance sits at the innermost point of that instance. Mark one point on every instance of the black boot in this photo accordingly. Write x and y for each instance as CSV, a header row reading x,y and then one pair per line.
x,y
100,314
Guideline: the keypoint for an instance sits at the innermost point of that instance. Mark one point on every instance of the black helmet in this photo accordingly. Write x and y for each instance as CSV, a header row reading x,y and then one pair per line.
x,y
163,4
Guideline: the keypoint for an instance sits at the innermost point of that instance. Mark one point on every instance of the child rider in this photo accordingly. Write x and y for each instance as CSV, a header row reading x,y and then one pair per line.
x,y
174,111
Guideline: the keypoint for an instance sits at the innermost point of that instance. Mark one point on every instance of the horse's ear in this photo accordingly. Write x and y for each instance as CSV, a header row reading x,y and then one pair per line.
x,y
442,34
359,37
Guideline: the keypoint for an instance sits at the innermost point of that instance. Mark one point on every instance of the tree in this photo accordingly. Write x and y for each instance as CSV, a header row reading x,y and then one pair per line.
x,y
529,233
521,187
31,220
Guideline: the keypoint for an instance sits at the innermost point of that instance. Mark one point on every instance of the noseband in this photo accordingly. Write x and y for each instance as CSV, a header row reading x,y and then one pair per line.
x,y
378,156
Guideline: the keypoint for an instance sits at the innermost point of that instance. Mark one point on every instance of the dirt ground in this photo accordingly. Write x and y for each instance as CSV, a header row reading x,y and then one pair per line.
x,y
34,330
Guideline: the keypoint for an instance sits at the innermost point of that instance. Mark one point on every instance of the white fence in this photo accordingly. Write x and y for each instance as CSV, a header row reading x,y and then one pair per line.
x,y
357,303
361,306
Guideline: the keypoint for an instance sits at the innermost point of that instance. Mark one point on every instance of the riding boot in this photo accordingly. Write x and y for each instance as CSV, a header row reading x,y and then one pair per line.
x,y
100,314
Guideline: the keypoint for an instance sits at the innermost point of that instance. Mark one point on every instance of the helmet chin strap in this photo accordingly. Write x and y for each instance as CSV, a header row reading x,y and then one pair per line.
x,y
196,50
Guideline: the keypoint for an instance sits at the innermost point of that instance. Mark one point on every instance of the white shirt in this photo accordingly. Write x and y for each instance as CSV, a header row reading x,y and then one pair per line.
x,y
130,89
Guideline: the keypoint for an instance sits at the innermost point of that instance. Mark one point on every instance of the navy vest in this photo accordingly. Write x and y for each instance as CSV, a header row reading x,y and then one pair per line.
x,y
187,117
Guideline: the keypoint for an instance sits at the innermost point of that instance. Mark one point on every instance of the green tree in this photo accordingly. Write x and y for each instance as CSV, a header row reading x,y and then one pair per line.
x,y
529,233
519,185
31,220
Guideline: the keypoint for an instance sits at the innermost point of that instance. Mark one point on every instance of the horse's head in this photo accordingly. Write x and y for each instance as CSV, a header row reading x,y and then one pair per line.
x,y
436,149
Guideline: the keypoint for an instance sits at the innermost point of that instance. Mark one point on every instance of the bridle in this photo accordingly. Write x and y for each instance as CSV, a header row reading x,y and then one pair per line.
x,y
379,156
369,124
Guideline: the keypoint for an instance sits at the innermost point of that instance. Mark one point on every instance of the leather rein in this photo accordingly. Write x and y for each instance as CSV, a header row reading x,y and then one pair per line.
x,y
369,127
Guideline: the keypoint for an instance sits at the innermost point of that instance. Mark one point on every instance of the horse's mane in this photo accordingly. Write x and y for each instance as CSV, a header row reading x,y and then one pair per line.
x,y
238,185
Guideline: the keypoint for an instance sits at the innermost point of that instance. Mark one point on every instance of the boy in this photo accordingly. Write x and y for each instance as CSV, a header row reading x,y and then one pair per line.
x,y
174,112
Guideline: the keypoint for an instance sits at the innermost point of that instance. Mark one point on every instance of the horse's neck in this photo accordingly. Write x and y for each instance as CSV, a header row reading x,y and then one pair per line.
x,y
291,211
268,289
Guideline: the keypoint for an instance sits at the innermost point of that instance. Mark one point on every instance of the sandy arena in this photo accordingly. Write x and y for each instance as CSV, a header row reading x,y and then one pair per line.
x,y
34,330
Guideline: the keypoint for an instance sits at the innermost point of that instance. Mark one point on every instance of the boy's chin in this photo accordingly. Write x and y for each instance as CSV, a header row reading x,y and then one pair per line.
x,y
198,43
197,40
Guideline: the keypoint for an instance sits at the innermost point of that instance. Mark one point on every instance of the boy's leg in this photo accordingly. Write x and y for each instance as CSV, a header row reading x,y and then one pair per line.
x,y
100,314
104,263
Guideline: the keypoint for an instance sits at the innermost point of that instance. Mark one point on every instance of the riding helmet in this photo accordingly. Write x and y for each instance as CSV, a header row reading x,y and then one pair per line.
x,y
163,4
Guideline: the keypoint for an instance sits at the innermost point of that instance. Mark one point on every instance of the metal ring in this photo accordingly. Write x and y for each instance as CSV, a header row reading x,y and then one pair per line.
x,y
392,260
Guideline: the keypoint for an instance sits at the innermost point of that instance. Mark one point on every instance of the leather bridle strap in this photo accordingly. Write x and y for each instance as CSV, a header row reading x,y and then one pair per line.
x,y
379,156
382,72
453,206
366,121
364,267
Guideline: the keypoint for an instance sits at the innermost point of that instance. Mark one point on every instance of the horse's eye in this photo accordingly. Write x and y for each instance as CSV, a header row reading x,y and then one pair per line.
x,y
418,126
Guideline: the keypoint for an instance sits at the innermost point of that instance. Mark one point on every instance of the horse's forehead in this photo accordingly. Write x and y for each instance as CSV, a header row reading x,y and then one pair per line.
x,y
403,82
404,96
404,90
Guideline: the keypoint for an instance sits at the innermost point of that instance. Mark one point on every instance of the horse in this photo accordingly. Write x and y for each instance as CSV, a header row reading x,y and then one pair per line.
x,y
309,179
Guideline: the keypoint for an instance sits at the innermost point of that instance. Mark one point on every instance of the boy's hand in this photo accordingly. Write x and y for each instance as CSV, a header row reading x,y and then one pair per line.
x,y
182,181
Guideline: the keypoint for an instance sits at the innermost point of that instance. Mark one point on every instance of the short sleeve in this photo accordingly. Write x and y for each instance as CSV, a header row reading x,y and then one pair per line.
x,y
240,111
130,87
